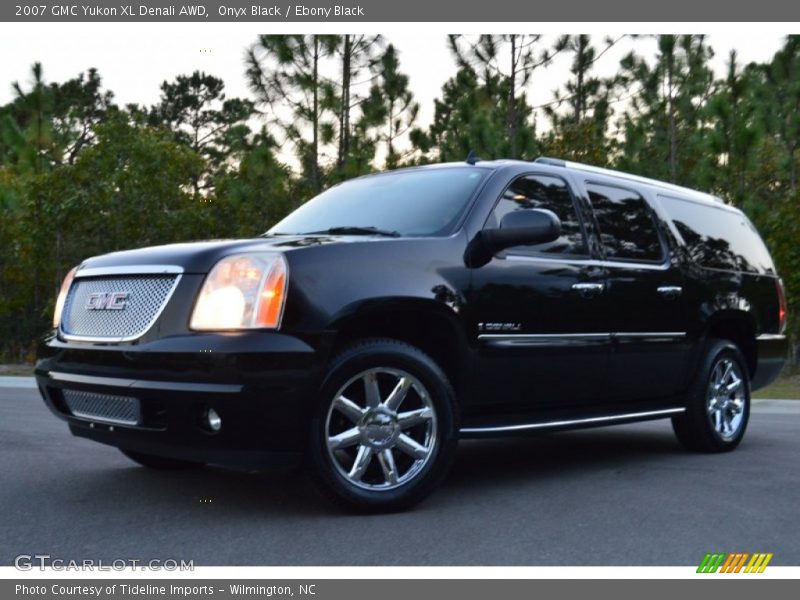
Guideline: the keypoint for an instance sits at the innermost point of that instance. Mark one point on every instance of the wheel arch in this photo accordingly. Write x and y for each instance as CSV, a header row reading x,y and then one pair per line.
x,y
738,327
429,325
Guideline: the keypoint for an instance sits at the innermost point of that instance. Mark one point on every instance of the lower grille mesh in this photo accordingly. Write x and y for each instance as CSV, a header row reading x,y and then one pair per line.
x,y
122,410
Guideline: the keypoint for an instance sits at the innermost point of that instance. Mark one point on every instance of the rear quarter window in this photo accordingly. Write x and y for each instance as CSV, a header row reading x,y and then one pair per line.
x,y
717,238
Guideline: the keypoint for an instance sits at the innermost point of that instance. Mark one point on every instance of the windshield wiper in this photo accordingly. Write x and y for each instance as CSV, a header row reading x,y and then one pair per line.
x,y
356,230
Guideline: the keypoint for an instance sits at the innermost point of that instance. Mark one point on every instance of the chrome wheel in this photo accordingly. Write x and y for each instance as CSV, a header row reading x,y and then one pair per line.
x,y
726,399
381,429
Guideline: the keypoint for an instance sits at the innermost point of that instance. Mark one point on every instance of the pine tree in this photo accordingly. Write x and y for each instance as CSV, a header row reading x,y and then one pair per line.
x,y
580,132
508,61
390,110
733,132
286,75
662,126
255,194
780,101
471,115
194,107
359,56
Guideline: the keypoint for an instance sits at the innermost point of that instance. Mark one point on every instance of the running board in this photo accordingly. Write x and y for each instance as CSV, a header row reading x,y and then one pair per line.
x,y
568,423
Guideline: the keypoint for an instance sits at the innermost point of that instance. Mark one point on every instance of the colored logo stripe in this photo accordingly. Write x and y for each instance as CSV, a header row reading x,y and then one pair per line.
x,y
710,563
758,563
734,562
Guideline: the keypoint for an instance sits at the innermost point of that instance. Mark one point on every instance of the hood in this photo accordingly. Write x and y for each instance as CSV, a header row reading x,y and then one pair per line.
x,y
200,257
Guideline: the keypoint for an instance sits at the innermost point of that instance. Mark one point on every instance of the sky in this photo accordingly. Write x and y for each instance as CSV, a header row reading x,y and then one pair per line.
x,y
133,60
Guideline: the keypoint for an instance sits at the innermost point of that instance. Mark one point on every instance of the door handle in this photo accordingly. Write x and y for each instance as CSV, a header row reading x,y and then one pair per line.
x,y
670,291
587,290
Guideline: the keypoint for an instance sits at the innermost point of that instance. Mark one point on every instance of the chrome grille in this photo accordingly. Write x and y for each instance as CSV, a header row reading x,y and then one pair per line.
x,y
122,410
146,297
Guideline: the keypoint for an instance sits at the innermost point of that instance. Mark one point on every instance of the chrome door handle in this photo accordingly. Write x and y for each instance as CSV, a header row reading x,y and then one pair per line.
x,y
588,290
670,291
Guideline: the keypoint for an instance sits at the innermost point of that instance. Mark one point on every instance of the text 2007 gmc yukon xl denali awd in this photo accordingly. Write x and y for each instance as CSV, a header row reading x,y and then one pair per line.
x,y
396,313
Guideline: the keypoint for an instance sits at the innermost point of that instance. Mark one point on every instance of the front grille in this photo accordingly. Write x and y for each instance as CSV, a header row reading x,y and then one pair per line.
x,y
122,410
144,298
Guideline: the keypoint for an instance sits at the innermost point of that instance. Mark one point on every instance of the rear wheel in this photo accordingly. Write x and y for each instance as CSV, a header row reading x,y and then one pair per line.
x,y
718,406
160,463
384,433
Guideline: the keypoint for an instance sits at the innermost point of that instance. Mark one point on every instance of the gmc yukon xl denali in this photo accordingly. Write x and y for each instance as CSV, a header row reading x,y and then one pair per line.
x,y
397,313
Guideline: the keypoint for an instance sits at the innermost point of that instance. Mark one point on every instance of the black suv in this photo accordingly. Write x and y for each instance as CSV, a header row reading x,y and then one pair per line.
x,y
397,313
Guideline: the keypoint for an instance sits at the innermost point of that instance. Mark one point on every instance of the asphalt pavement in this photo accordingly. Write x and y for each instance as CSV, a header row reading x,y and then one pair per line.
x,y
625,495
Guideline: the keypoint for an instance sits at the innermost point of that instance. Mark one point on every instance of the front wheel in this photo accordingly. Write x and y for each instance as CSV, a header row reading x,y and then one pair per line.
x,y
718,406
384,433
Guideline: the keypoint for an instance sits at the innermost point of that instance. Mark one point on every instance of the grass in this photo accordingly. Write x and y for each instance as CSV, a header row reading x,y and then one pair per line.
x,y
786,387
16,370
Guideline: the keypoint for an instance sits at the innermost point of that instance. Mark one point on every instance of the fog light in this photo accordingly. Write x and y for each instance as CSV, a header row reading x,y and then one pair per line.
x,y
213,420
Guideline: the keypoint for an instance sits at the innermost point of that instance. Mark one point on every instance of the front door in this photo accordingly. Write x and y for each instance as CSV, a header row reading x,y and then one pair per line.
x,y
540,313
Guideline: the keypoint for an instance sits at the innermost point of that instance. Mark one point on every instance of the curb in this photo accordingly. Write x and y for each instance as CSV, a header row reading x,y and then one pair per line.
x,y
18,382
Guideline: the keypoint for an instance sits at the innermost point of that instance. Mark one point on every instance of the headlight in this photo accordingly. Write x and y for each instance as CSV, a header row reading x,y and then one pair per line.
x,y
62,296
245,291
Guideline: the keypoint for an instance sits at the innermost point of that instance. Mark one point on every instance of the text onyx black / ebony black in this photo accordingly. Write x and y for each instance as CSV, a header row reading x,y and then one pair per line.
x,y
397,313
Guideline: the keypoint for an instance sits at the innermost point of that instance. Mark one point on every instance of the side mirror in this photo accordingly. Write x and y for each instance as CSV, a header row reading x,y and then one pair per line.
x,y
517,228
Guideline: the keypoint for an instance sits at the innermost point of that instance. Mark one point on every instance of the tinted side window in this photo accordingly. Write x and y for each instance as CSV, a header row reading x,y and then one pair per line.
x,y
627,227
718,239
552,193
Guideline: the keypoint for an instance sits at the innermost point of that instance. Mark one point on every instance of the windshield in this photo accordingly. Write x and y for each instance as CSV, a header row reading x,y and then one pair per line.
x,y
421,202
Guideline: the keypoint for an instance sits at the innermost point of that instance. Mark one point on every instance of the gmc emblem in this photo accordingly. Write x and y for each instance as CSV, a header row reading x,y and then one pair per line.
x,y
107,301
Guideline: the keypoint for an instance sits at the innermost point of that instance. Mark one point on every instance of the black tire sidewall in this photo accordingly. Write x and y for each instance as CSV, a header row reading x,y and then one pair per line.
x,y
349,363
697,414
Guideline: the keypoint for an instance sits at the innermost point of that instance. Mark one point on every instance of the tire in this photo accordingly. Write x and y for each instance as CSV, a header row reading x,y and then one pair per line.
x,y
716,419
393,440
160,463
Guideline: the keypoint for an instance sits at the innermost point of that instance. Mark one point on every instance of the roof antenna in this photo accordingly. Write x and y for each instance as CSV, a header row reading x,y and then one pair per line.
x,y
472,158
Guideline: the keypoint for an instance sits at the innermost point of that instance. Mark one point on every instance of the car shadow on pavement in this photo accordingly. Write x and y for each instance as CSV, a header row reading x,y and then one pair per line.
x,y
543,456
480,464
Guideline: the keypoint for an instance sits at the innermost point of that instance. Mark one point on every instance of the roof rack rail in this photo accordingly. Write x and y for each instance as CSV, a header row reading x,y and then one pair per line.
x,y
557,162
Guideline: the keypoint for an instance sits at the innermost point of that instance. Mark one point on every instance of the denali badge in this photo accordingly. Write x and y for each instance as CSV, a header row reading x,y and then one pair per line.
x,y
107,301
499,326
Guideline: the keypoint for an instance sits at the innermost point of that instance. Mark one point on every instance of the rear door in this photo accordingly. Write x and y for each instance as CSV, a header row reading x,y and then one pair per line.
x,y
645,293
539,312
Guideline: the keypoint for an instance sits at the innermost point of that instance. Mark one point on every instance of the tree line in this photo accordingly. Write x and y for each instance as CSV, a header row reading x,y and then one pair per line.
x,y
81,174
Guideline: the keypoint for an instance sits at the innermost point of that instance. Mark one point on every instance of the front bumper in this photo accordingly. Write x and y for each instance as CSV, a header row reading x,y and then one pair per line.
x,y
261,384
